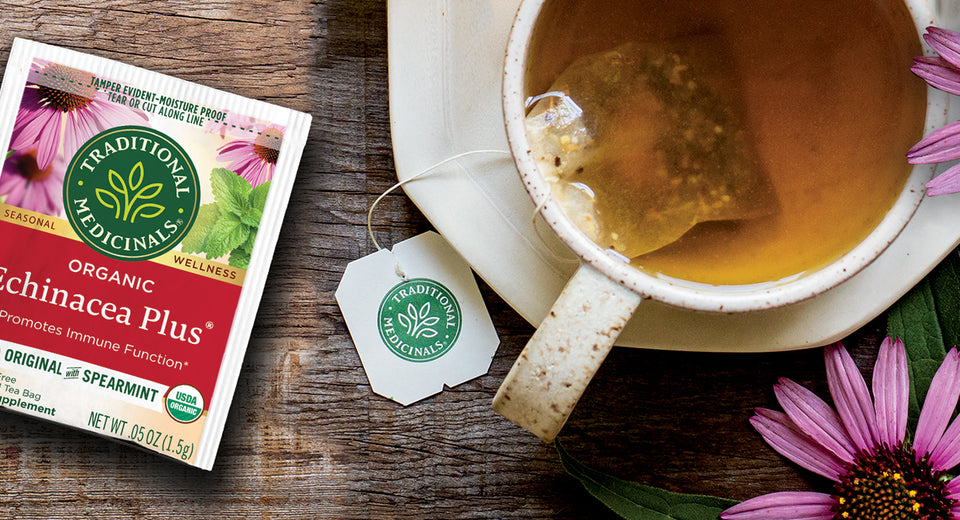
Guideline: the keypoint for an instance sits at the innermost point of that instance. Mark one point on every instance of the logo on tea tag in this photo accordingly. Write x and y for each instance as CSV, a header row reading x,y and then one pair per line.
x,y
417,319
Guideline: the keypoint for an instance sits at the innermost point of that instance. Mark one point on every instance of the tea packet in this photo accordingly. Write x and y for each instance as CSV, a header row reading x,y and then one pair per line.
x,y
138,218
642,142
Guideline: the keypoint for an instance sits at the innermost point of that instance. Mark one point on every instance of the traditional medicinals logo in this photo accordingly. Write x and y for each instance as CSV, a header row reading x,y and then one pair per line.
x,y
419,320
131,193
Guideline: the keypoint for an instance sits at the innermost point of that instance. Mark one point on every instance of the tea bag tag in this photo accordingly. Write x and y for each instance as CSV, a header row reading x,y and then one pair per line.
x,y
417,319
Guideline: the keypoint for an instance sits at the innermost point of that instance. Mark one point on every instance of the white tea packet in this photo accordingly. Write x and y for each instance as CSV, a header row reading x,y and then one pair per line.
x,y
138,218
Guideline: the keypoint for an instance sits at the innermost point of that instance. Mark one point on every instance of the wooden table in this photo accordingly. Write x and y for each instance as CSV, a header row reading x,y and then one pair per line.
x,y
306,436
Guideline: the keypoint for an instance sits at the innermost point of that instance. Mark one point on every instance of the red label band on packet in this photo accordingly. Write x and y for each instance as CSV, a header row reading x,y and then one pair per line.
x,y
149,320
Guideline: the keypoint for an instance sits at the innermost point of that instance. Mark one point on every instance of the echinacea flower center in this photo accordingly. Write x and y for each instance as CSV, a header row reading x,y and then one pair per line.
x,y
64,88
267,145
26,165
891,484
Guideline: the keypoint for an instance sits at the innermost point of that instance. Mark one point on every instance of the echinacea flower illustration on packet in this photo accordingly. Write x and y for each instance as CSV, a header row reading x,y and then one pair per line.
x,y
27,186
60,110
253,156
861,445
61,106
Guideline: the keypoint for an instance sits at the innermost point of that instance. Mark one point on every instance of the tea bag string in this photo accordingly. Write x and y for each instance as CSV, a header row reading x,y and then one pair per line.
x,y
536,229
397,268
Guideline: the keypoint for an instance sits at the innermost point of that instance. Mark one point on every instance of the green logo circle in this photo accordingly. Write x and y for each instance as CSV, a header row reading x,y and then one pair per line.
x,y
184,403
131,193
419,320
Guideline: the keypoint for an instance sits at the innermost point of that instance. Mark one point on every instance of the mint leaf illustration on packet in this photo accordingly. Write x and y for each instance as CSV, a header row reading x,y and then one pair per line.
x,y
417,319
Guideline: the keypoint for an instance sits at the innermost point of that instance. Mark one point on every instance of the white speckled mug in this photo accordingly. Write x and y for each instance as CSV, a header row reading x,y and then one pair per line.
x,y
554,369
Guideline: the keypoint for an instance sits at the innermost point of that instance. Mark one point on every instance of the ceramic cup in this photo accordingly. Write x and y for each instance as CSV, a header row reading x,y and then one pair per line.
x,y
555,367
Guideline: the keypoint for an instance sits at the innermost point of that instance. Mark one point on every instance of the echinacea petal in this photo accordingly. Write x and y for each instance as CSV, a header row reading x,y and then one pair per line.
x,y
71,139
946,454
54,193
8,177
953,488
785,505
15,190
236,153
940,145
34,199
939,404
234,145
109,114
30,106
937,72
85,126
29,134
945,183
953,493
815,418
945,42
788,440
851,397
891,392
48,144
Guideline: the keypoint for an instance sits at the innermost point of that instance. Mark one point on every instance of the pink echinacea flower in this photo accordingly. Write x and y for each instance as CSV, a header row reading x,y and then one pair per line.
x,y
861,445
30,187
253,159
60,107
941,72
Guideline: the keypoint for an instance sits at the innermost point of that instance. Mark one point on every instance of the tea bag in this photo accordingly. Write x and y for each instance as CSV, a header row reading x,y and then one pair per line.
x,y
642,142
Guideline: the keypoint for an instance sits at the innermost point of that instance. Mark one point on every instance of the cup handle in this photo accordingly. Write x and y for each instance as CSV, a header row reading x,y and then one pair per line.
x,y
553,370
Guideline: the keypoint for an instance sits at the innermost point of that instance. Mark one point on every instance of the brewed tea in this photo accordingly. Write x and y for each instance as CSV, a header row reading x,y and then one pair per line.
x,y
663,119
828,107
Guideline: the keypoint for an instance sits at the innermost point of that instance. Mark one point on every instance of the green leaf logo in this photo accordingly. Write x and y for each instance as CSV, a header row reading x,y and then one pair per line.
x,y
129,208
419,320
132,193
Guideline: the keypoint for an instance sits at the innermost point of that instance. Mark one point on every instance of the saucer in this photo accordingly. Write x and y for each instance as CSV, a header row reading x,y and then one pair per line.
x,y
445,63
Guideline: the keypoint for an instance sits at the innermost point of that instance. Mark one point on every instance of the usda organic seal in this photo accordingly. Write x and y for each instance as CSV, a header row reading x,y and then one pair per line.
x,y
184,403
131,193
419,320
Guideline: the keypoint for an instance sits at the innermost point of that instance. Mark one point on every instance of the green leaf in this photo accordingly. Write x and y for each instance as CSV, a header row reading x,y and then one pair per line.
x,y
248,245
196,239
239,259
136,176
227,234
252,218
148,210
11,152
117,182
945,282
109,201
150,191
927,319
635,501
258,196
231,191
